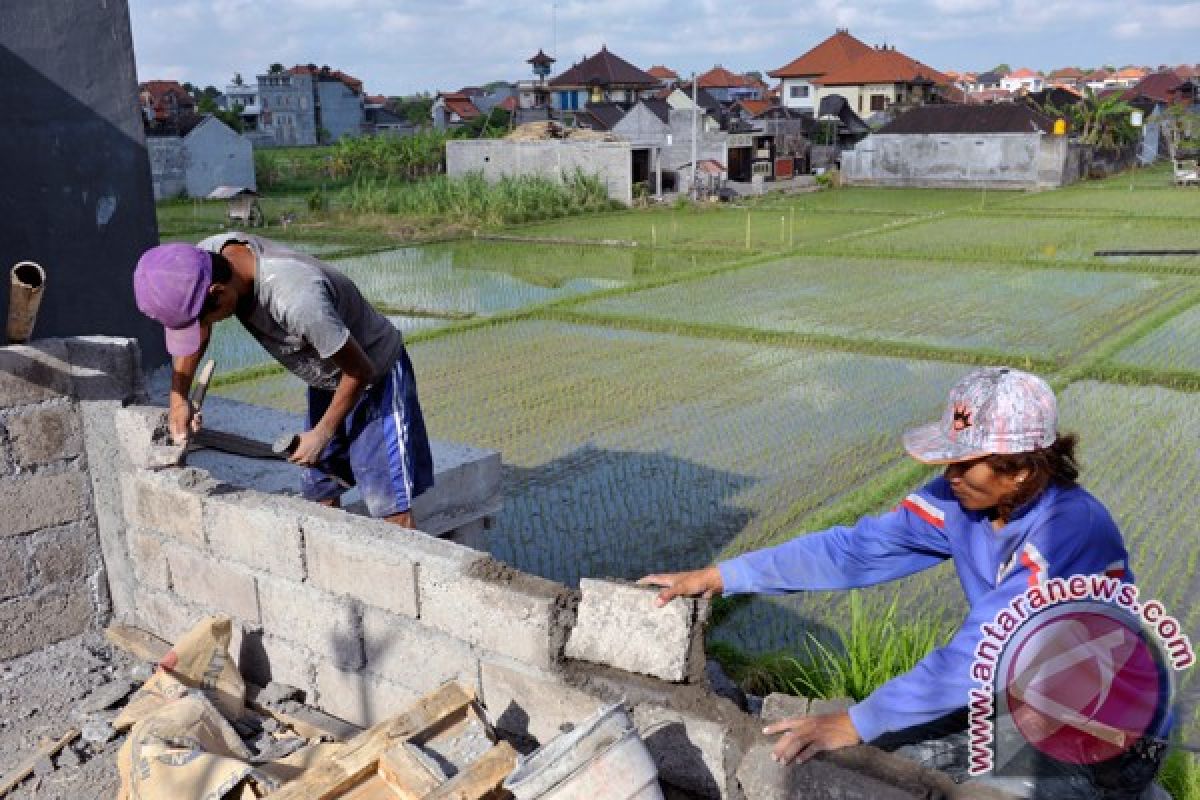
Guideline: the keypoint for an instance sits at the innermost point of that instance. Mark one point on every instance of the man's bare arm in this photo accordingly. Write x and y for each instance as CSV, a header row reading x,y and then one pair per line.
x,y
357,372
181,420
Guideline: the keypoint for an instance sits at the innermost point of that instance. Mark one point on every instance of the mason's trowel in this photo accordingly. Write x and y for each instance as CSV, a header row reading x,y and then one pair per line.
x,y
164,452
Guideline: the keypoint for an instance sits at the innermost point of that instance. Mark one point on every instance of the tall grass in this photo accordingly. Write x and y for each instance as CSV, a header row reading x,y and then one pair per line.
x,y
1180,775
872,649
473,200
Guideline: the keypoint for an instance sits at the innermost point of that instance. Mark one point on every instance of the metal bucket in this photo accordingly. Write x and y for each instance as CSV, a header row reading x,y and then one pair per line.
x,y
25,296
602,759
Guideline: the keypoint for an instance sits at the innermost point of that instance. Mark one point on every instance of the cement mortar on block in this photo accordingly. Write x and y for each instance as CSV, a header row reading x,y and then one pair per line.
x,y
34,373
212,583
325,623
51,615
44,434
250,529
620,625
65,555
414,655
497,608
530,702
761,778
159,501
366,561
148,559
360,697
43,500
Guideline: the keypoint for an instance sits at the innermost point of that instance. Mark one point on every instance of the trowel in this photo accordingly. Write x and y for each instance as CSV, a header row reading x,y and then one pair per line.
x,y
164,452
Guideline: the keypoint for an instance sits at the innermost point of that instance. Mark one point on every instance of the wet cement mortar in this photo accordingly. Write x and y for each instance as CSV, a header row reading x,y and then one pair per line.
x,y
46,693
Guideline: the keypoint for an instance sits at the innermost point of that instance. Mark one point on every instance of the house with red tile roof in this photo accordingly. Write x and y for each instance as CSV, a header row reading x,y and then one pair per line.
x,y
1066,77
729,87
797,88
1129,76
451,109
164,100
1099,79
1157,86
601,78
882,79
665,75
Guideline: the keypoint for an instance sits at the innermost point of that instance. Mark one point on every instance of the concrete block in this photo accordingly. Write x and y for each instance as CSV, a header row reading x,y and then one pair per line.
x,y
14,572
164,614
405,651
44,434
51,615
619,625
497,608
105,368
818,706
263,658
778,706
142,434
212,583
34,373
148,559
692,753
370,562
532,702
65,555
170,502
763,779
251,529
360,697
43,501
325,623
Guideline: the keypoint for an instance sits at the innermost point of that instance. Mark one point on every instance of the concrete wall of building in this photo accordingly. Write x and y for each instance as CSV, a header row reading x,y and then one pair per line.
x,y
77,193
995,160
52,581
286,112
641,127
612,162
168,166
805,103
341,110
711,144
217,156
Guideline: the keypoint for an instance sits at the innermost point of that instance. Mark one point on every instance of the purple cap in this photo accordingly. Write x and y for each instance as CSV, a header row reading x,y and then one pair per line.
x,y
170,283
991,410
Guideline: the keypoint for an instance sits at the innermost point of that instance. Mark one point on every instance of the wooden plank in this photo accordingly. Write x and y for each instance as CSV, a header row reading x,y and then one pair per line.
x,y
405,774
24,770
141,644
373,788
481,778
309,722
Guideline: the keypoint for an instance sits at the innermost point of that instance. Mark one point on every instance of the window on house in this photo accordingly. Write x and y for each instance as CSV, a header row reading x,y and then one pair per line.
x,y
878,102
798,92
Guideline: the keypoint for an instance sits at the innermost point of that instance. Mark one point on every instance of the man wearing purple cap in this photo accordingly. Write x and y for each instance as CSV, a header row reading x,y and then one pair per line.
x,y
1007,510
363,413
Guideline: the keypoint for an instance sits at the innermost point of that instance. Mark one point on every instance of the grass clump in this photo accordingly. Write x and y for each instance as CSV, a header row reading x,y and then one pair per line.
x,y
1180,775
874,648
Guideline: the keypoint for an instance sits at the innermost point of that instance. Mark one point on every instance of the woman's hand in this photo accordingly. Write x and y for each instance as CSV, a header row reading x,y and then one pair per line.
x,y
804,737
700,582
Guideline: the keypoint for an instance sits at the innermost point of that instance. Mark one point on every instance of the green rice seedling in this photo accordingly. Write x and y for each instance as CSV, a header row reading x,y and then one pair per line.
x,y
1180,775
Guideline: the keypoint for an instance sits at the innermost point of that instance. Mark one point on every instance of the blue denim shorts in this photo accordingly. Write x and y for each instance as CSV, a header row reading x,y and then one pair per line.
x,y
382,443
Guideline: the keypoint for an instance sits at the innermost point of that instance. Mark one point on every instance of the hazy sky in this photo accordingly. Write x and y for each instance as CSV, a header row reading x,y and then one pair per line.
x,y
401,47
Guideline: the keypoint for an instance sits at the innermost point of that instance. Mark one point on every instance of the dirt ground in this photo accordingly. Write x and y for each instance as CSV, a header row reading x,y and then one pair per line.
x,y
73,684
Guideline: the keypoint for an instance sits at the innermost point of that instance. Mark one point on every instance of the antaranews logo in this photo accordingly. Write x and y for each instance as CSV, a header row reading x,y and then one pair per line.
x,y
1075,667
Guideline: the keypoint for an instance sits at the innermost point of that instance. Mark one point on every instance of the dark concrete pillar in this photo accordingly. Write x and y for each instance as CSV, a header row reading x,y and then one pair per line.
x,y
76,194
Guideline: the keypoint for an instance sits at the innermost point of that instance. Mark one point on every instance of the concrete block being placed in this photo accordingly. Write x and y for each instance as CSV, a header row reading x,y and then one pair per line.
x,y
491,605
45,434
369,561
325,623
212,583
619,625
43,501
252,529
778,706
527,701
34,373
144,439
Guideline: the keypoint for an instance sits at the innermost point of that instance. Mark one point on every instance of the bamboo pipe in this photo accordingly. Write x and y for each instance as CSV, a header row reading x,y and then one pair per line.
x,y
28,279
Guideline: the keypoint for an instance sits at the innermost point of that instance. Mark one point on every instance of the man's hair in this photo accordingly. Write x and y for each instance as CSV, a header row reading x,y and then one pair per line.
x,y
222,270
1054,465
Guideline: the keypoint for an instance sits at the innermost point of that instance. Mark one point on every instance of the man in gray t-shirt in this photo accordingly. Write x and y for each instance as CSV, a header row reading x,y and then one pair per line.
x,y
363,414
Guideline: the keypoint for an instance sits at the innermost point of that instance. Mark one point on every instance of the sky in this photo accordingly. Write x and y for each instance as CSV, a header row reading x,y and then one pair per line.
x,y
399,47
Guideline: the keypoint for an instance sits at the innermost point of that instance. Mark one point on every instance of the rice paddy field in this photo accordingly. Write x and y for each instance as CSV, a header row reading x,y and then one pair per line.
x,y
673,386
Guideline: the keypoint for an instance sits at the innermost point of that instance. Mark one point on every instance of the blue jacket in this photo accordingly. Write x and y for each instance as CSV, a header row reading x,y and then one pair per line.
x,y
1063,532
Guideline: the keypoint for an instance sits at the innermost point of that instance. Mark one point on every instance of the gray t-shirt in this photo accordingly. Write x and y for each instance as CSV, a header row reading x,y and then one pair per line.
x,y
304,311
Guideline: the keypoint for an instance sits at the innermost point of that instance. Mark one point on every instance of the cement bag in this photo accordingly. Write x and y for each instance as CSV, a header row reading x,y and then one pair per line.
x,y
186,750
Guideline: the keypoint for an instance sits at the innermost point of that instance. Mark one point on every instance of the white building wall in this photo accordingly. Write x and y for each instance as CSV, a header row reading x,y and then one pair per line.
x,y
806,103
215,156
167,166
612,162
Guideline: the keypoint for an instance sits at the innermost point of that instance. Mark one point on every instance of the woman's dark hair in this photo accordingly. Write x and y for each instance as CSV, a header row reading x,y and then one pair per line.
x,y
1054,465
222,270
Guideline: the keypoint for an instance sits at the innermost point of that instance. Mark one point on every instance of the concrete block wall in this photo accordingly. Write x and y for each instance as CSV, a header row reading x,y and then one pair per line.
x,y
51,570
612,162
